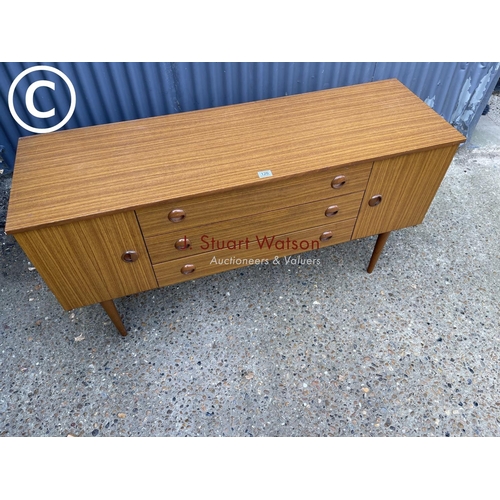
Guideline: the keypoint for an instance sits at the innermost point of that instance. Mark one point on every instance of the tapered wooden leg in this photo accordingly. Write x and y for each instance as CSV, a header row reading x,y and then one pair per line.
x,y
112,312
379,246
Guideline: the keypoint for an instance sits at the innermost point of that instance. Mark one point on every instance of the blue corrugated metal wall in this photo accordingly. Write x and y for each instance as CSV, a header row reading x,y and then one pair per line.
x,y
111,92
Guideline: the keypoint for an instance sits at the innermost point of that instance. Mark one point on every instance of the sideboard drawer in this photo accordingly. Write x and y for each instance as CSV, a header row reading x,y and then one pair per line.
x,y
204,264
264,196
235,233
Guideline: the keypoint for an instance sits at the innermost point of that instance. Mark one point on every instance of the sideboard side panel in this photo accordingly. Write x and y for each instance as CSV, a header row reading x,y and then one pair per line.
x,y
81,261
407,184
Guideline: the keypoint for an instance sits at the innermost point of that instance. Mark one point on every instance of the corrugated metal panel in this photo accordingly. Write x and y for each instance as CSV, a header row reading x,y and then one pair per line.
x,y
205,85
111,92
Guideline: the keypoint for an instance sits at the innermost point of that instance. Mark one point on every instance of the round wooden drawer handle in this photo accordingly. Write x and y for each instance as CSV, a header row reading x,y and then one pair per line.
x,y
375,200
176,215
183,244
332,210
130,256
188,269
327,235
338,181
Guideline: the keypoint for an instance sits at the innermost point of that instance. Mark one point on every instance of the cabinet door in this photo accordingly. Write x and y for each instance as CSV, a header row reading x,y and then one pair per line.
x,y
82,264
405,187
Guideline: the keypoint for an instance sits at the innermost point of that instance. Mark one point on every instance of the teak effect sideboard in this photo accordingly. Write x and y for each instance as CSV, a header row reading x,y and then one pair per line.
x,y
112,210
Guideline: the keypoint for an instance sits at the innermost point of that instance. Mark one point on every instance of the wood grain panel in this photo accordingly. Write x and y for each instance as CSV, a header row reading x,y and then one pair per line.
x,y
235,233
407,185
168,273
76,174
270,195
81,262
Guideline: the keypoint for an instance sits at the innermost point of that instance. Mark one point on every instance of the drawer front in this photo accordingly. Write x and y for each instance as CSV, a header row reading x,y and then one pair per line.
x,y
267,195
197,266
235,233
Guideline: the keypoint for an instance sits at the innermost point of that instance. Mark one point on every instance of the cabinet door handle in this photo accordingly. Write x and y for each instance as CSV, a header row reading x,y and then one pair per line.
x,y
338,181
327,235
183,244
332,210
375,200
188,269
176,215
130,256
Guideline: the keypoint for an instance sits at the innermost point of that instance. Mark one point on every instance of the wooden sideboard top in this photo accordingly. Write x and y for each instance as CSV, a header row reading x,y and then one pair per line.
x,y
80,173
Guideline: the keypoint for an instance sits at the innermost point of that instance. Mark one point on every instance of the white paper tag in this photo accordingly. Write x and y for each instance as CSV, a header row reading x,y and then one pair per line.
x,y
265,173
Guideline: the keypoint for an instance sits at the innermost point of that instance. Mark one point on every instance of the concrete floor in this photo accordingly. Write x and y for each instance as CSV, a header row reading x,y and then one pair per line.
x,y
297,350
